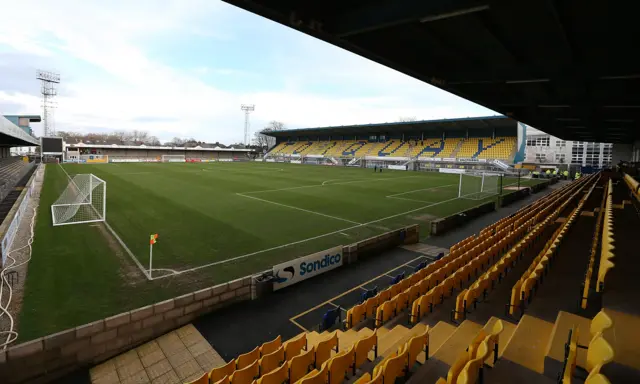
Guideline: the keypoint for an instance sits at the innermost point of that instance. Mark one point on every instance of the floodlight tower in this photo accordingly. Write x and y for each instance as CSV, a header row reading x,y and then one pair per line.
x,y
49,91
247,108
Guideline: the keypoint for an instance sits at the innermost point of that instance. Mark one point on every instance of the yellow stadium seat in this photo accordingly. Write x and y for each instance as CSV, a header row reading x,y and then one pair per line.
x,y
456,368
271,346
355,315
395,367
224,380
385,312
384,296
370,306
246,375
402,301
271,361
323,349
364,379
362,348
413,292
600,323
470,374
204,379
293,347
315,377
416,345
300,365
597,379
277,376
217,374
493,340
339,365
599,352
248,358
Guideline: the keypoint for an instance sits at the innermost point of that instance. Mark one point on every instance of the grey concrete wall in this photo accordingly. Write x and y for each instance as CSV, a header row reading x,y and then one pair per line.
x,y
52,356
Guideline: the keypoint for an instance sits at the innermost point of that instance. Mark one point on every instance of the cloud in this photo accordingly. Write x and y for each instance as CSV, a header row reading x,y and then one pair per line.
x,y
183,67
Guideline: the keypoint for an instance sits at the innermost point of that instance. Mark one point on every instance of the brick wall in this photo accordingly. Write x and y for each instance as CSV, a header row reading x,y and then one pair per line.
x,y
52,356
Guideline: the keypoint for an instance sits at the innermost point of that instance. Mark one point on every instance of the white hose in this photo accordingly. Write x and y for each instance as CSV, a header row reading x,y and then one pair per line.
x,y
11,335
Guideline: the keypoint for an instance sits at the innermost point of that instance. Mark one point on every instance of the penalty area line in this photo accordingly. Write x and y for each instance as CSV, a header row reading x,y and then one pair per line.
x,y
230,260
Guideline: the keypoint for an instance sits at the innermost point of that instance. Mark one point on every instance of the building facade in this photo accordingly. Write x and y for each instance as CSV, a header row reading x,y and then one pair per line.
x,y
542,148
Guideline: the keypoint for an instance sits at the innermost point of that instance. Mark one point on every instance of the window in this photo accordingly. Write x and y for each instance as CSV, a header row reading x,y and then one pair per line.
x,y
538,141
560,157
541,157
561,143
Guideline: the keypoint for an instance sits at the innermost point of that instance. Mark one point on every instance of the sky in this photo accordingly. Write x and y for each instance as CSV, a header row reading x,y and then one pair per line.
x,y
182,69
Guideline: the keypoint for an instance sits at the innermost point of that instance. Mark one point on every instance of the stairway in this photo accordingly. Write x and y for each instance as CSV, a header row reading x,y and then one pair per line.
x,y
454,153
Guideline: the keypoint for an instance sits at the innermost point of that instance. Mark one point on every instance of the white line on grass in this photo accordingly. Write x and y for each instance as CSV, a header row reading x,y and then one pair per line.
x,y
424,189
115,235
303,240
299,209
323,185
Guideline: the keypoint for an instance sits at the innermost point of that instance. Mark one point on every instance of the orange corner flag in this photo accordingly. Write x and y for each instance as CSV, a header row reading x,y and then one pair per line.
x,y
153,239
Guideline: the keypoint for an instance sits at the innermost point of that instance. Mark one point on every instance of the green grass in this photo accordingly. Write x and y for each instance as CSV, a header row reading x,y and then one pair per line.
x,y
77,275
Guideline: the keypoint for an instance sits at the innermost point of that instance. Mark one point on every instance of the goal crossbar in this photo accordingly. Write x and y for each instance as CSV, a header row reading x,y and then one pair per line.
x,y
478,186
82,201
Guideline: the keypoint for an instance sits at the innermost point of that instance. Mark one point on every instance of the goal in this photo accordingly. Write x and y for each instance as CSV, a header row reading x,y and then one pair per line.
x,y
478,186
84,200
173,158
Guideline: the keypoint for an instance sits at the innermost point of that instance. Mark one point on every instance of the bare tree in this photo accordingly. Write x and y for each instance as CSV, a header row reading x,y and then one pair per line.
x,y
264,141
177,142
152,140
407,119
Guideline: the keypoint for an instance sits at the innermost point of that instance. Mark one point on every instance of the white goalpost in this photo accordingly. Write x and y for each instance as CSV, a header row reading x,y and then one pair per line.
x,y
84,200
478,186
173,159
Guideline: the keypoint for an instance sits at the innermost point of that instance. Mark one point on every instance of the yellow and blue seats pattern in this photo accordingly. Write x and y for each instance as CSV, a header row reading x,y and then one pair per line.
x,y
478,148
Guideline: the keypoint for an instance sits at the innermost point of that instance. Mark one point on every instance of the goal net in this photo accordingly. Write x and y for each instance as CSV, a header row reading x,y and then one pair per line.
x,y
478,186
84,200
173,158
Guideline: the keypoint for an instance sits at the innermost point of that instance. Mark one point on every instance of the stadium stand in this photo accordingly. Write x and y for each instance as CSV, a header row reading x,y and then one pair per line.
x,y
406,331
500,148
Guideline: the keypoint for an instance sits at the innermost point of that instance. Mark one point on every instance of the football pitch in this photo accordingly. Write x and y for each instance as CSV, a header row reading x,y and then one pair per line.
x,y
216,222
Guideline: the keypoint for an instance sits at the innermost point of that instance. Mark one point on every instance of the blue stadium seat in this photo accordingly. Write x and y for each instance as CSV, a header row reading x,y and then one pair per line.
x,y
330,318
368,294
397,279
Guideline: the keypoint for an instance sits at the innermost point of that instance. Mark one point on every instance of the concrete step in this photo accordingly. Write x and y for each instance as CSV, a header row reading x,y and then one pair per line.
x,y
554,353
388,343
504,338
528,344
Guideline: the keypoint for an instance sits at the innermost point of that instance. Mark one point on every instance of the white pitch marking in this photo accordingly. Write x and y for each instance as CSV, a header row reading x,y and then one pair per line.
x,y
425,189
344,234
404,198
299,209
303,240
321,185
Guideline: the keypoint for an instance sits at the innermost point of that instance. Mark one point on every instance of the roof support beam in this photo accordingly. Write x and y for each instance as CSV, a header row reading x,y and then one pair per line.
x,y
390,13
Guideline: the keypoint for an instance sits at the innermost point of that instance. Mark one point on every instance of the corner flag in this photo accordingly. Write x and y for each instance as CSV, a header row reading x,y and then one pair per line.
x,y
153,239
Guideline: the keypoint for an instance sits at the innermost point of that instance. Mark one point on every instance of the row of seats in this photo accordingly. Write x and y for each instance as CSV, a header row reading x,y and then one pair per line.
x,y
599,352
522,290
633,185
294,361
606,252
334,369
477,148
586,286
468,367
400,363
462,268
487,147
480,288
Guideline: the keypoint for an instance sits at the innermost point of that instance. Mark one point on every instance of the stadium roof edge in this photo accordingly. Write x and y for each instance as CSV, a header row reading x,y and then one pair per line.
x,y
408,126
154,147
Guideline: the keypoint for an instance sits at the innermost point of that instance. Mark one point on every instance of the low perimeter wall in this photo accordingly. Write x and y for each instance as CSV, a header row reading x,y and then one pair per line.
x,y
445,224
50,357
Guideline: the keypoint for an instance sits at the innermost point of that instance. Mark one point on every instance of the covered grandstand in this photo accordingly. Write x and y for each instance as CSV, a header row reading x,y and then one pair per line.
x,y
116,153
493,142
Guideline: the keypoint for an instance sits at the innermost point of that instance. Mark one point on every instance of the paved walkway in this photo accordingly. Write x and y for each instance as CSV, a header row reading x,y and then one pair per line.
x,y
179,356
